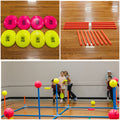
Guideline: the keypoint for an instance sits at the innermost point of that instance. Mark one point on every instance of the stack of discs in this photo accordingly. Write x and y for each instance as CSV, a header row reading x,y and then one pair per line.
x,y
24,22
23,38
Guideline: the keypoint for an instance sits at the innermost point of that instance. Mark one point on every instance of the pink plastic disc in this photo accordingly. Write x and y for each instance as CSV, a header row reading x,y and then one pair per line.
x,y
37,22
50,22
24,22
10,22
91,109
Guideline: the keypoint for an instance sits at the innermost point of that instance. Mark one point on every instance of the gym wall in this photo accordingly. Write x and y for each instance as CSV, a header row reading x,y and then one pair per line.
x,y
88,77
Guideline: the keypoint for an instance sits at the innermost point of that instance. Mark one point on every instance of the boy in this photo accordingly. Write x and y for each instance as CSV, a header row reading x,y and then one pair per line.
x,y
54,90
109,89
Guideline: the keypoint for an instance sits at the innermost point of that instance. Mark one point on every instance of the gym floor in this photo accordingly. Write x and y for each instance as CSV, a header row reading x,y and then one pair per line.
x,y
89,11
15,104
19,8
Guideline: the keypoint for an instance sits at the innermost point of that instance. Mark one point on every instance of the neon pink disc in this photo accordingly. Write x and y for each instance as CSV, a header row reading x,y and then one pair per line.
x,y
10,22
91,109
50,22
37,22
24,22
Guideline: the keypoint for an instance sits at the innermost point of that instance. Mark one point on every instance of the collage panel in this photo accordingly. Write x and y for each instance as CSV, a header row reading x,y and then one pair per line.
x,y
60,59
85,91
30,30
90,30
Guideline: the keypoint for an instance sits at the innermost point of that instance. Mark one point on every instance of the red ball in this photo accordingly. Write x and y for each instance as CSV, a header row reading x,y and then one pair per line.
x,y
8,113
113,114
115,79
38,84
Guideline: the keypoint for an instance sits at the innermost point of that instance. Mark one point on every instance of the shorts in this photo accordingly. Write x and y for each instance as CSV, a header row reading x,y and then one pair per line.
x,y
54,92
63,87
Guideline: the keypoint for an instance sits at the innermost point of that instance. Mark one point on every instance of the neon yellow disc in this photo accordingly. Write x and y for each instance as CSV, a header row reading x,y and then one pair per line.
x,y
52,39
61,95
8,38
37,39
23,38
47,88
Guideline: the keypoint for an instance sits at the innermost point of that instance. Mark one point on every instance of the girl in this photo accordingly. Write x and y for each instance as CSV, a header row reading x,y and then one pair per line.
x,y
71,94
62,84
109,73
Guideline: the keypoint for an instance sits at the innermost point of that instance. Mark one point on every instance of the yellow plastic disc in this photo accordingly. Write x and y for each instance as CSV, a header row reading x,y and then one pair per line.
x,y
23,38
47,88
61,95
37,39
8,38
52,39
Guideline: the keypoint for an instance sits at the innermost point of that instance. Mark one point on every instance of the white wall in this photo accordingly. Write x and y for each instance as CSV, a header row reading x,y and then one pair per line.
x,y
19,77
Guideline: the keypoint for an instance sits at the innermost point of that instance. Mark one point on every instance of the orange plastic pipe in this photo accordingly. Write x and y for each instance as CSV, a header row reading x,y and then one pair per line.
x,y
91,38
94,38
98,38
4,103
102,37
68,97
83,38
79,38
87,38
106,37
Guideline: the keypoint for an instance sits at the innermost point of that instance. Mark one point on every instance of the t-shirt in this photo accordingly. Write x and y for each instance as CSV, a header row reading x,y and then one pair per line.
x,y
61,79
54,87
69,82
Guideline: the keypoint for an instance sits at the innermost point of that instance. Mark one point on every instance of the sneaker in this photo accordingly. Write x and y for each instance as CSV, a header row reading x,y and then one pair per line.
x,y
107,98
53,103
75,99
61,100
69,99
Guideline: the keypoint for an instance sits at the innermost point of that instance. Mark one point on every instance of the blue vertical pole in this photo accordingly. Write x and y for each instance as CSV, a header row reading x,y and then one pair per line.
x,y
39,102
114,98
56,101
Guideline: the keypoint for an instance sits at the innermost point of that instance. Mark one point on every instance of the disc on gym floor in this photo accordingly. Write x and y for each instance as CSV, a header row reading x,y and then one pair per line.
x,y
23,38
10,22
37,39
52,38
8,38
37,22
50,22
24,22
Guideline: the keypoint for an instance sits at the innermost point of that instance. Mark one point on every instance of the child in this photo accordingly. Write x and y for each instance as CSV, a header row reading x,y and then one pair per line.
x,y
109,89
71,94
62,84
109,73
54,90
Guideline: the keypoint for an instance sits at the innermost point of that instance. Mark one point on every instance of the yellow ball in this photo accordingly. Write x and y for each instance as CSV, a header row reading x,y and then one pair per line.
x,y
4,92
113,83
92,102
56,80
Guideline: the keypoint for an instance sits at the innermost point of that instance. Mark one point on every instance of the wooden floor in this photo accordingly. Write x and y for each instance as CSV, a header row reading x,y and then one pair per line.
x,y
19,8
89,11
51,111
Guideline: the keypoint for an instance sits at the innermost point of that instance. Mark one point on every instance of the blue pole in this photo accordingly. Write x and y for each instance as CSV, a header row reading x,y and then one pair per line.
x,y
114,98
39,102
56,101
